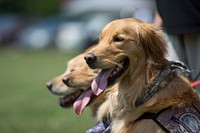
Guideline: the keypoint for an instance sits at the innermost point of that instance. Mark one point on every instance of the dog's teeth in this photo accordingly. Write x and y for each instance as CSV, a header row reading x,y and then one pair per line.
x,y
115,70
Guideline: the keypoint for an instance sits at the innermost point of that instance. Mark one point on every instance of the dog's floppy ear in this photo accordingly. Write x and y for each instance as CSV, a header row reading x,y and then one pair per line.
x,y
152,41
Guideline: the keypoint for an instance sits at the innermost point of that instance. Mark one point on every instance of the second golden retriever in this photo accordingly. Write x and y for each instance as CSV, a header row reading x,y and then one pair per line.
x,y
132,54
75,83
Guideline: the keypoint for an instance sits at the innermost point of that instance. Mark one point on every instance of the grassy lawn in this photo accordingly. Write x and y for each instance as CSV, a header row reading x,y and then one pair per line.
x,y
26,106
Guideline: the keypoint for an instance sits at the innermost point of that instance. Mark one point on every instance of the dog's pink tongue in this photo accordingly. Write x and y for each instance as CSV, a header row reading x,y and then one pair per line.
x,y
100,82
82,101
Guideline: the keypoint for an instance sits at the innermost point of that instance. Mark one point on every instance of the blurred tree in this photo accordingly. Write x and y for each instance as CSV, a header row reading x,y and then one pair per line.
x,y
30,7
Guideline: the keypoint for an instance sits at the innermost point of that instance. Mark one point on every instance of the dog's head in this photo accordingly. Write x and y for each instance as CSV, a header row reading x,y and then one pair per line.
x,y
74,85
77,76
125,47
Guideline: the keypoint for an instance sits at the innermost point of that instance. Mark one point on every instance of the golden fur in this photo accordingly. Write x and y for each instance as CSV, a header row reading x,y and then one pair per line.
x,y
80,77
144,45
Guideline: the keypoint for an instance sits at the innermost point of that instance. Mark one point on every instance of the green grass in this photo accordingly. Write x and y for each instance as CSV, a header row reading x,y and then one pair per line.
x,y
26,105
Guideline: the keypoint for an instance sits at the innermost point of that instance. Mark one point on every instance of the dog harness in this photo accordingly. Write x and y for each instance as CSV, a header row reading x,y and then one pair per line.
x,y
177,120
179,67
172,120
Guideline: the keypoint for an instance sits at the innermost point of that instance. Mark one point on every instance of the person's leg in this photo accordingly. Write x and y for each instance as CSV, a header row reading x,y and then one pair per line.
x,y
179,47
192,43
188,50
171,55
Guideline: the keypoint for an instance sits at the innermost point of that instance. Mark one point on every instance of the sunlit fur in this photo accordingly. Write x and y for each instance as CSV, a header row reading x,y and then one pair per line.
x,y
80,78
145,47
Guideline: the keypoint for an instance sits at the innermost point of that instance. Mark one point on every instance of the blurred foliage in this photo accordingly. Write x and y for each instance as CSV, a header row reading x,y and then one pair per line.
x,y
30,7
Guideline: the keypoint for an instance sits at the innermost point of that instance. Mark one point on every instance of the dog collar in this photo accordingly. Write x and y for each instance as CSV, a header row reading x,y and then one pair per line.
x,y
152,89
181,70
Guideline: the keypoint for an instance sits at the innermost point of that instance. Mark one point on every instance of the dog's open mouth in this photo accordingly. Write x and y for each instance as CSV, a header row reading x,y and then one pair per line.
x,y
105,78
108,76
68,100
79,100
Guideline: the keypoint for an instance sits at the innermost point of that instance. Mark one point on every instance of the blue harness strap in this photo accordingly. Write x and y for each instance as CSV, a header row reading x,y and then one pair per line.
x,y
101,127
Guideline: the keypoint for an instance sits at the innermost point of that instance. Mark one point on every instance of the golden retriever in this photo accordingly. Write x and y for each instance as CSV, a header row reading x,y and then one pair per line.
x,y
75,81
132,53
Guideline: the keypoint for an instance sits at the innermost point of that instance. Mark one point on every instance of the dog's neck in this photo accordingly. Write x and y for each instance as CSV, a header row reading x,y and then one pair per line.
x,y
152,88
95,104
132,86
129,97
176,67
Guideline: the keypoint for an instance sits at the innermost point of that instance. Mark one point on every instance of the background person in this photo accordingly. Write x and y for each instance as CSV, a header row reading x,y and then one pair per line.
x,y
181,20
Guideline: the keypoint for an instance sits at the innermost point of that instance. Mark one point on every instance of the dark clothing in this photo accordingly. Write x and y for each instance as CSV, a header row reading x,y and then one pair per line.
x,y
180,16
181,20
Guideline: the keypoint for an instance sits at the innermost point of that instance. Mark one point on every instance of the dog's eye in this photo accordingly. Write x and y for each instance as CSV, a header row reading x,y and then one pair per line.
x,y
100,38
117,39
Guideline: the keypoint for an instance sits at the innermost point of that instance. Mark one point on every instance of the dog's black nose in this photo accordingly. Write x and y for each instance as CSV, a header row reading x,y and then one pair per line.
x,y
65,79
49,85
90,58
